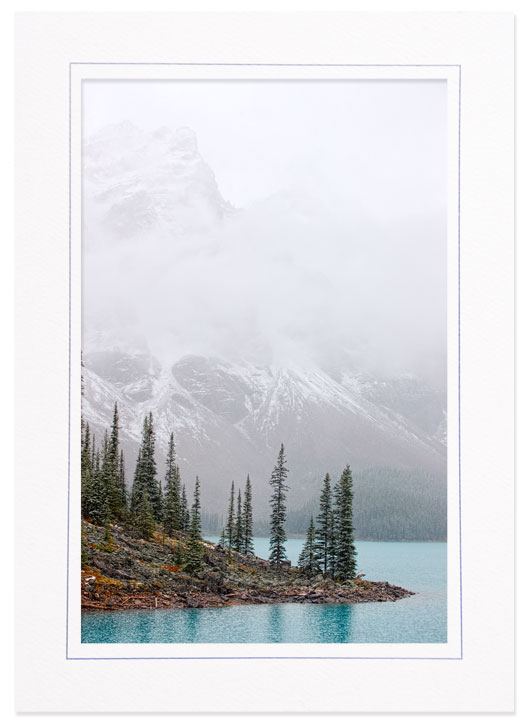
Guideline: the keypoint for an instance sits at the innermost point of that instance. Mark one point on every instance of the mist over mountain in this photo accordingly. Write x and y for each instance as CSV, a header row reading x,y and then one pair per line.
x,y
295,319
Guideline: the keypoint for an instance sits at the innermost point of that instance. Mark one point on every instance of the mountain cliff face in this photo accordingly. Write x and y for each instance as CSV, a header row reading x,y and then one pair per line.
x,y
229,420
150,203
137,182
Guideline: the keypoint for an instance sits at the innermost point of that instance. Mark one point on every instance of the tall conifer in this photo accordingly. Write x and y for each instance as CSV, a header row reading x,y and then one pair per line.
x,y
99,509
247,544
144,520
172,498
308,561
86,470
278,510
230,523
122,485
194,540
324,534
145,478
345,551
184,511
238,536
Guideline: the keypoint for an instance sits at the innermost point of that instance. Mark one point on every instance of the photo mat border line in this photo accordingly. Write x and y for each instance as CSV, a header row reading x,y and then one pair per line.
x,y
293,65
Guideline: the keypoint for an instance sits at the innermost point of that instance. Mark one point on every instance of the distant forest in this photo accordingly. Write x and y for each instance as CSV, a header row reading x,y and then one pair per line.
x,y
389,505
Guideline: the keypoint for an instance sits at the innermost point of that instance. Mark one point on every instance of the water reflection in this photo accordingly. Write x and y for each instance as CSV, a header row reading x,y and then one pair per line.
x,y
423,618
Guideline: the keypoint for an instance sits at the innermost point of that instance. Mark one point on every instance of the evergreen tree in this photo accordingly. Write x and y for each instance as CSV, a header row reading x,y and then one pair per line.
x,y
184,512
345,551
308,561
144,519
86,469
99,509
145,478
104,471
332,544
222,539
247,544
137,488
111,468
194,541
324,533
238,536
122,485
196,508
230,523
278,510
172,499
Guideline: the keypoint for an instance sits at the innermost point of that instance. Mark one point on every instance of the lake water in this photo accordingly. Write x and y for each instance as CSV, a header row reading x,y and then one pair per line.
x,y
420,567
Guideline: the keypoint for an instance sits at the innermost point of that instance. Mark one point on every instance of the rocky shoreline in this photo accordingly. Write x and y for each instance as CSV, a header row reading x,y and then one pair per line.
x,y
127,573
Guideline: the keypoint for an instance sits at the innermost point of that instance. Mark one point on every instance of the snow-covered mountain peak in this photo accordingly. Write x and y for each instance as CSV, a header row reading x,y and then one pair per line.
x,y
137,182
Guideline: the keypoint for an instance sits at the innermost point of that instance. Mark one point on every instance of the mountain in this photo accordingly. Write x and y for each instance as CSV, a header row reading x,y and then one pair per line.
x,y
137,183
237,302
229,419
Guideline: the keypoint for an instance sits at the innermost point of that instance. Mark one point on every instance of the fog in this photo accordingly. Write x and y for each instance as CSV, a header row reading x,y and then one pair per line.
x,y
333,251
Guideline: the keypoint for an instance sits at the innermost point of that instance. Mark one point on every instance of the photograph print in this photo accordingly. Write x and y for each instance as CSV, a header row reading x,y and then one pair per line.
x,y
264,361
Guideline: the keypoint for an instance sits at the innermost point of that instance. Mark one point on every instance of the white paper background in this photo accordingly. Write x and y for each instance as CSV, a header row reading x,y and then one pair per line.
x,y
483,679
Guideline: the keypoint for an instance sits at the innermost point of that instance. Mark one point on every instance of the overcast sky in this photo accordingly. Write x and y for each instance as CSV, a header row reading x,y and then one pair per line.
x,y
384,140
370,156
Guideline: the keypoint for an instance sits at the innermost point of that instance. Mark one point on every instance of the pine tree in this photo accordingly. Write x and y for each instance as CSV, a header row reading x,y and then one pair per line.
x,y
278,510
86,470
230,523
145,478
138,487
308,561
172,499
196,508
99,509
194,541
184,512
222,539
332,544
247,544
324,532
144,520
238,536
122,485
345,551
111,468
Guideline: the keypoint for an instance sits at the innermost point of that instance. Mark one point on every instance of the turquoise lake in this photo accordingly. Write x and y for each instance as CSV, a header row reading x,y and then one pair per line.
x,y
420,567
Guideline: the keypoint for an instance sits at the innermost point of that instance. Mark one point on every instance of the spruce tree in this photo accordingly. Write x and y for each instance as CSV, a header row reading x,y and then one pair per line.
x,y
145,478
278,510
324,532
137,488
184,512
111,468
99,509
238,536
144,520
332,544
247,544
345,551
86,469
196,508
122,485
194,541
222,539
308,561
172,499
230,523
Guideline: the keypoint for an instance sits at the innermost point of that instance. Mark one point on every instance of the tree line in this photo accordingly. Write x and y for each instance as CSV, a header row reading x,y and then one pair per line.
x,y
149,506
329,547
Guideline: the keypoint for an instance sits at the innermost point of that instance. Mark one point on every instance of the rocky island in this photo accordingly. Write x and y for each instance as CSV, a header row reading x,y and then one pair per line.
x,y
120,571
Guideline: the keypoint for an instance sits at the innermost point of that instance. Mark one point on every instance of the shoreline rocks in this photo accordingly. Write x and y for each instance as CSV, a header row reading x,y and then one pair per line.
x,y
129,573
